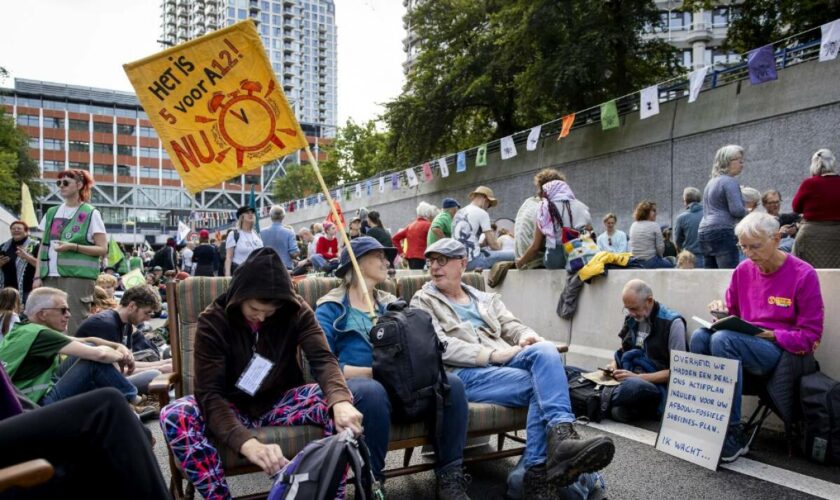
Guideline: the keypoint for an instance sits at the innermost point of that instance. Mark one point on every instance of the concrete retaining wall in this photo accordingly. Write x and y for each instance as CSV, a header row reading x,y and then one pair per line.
x,y
780,124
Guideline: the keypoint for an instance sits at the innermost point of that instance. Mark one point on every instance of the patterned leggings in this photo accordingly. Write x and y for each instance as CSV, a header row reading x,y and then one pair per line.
x,y
184,429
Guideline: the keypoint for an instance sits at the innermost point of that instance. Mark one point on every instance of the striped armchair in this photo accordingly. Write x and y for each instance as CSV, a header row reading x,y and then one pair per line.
x,y
188,298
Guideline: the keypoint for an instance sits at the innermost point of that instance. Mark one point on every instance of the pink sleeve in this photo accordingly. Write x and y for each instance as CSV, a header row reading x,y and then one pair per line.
x,y
805,336
732,304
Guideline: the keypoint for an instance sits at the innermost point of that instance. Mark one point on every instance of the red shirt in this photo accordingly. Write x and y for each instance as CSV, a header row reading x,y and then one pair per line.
x,y
817,198
416,233
327,248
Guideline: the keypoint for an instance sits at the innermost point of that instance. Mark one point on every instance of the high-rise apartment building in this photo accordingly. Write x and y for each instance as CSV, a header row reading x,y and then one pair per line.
x,y
299,37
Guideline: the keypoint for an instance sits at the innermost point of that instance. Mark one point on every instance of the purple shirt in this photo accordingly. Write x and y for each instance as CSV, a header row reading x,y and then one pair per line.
x,y
9,403
787,301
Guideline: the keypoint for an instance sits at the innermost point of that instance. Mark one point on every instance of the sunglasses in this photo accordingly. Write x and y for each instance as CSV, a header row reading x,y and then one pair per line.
x,y
64,182
63,310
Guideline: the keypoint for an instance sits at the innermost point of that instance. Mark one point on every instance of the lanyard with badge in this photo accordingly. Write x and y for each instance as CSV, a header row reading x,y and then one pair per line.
x,y
256,371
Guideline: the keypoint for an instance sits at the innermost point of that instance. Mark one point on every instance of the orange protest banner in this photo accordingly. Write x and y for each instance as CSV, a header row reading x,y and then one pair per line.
x,y
216,105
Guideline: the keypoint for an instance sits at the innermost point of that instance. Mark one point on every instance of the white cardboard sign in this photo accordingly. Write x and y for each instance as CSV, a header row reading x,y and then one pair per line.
x,y
698,406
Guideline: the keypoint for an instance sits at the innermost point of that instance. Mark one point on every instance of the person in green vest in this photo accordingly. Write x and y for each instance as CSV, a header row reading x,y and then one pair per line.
x,y
442,225
135,262
30,355
74,242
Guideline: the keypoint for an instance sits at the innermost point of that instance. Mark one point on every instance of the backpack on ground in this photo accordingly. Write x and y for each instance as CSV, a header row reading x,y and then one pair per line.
x,y
320,470
407,361
589,399
820,396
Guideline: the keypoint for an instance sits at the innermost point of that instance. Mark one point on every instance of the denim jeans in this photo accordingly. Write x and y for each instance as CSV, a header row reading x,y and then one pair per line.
x,y
657,262
371,399
77,376
757,356
639,397
720,249
534,378
699,261
487,258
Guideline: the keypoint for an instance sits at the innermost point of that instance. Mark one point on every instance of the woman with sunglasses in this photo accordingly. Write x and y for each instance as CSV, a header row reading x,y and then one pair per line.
x,y
344,317
74,242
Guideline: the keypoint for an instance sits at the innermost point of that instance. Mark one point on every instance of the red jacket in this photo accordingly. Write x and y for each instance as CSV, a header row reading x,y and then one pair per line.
x,y
327,248
816,198
416,234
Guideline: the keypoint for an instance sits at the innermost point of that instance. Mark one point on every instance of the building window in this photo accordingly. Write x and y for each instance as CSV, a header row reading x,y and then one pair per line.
x,y
148,152
34,143
678,21
151,173
720,17
128,113
125,150
74,124
101,147
125,171
51,122
147,132
125,129
101,169
103,128
27,120
53,166
79,146
688,58
53,145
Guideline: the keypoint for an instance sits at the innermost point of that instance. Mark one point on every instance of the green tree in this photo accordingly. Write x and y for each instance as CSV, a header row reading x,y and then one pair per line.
x,y
16,166
488,68
760,22
358,151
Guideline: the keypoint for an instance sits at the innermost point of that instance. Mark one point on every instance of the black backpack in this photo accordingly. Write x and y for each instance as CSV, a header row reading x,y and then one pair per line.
x,y
407,361
318,471
589,400
820,396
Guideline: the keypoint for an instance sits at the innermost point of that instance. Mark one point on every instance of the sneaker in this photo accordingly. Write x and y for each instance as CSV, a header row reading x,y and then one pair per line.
x,y
569,456
452,484
735,445
145,413
536,486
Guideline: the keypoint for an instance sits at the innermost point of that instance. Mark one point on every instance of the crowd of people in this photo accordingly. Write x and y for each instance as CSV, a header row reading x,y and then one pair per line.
x,y
72,335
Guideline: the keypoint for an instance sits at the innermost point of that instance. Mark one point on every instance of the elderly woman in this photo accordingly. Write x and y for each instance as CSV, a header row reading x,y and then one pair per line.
x,y
751,198
646,241
818,239
73,243
723,206
243,240
415,236
773,290
17,258
344,316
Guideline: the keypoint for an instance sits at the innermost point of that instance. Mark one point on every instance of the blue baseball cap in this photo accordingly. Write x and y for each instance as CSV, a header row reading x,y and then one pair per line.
x,y
361,246
451,203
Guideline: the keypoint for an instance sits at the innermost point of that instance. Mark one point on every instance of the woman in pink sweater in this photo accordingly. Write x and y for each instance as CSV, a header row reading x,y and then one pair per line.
x,y
775,291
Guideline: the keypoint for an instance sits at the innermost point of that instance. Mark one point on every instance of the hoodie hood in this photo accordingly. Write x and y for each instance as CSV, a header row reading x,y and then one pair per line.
x,y
262,276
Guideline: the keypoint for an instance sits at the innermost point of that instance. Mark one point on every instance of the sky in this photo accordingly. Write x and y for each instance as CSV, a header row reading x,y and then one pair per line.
x,y
86,42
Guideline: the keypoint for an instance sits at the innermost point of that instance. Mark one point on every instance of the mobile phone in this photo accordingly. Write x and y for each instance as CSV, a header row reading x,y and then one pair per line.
x,y
608,371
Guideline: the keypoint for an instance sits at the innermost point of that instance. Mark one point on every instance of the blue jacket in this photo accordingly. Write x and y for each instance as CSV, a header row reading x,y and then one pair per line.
x,y
282,240
686,227
350,346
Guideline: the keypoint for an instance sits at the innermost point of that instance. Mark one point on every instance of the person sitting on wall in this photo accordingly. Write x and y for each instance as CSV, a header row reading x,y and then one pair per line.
x,y
472,222
642,363
775,291
500,360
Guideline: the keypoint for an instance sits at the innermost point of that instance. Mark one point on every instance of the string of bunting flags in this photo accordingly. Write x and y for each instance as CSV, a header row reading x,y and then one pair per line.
x,y
761,68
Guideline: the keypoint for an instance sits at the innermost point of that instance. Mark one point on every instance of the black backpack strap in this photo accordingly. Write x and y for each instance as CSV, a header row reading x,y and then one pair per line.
x,y
441,399
360,463
606,401
235,237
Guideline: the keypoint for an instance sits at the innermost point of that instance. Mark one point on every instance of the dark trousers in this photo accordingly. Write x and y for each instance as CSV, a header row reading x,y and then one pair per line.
x,y
416,264
96,444
370,398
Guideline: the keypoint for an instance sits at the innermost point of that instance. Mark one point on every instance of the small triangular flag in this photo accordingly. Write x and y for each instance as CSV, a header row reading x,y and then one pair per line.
x,y
508,147
830,43
461,162
649,104
695,80
609,115
481,156
444,168
533,138
568,121
427,172
395,181
411,175
381,184
358,190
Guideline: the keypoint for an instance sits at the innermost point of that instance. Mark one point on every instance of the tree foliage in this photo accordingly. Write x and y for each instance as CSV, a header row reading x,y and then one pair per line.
x,y
15,164
760,22
488,68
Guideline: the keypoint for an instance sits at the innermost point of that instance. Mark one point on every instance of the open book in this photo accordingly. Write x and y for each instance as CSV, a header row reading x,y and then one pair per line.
x,y
733,323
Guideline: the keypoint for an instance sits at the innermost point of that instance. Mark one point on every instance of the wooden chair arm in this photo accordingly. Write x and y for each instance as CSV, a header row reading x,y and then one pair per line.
x,y
162,384
26,474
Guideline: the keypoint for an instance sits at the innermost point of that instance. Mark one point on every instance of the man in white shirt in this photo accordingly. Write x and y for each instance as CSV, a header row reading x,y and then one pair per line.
x,y
473,221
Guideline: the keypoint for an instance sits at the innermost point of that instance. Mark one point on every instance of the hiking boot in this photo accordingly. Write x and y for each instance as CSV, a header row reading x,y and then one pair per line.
x,y
569,456
734,445
536,486
452,484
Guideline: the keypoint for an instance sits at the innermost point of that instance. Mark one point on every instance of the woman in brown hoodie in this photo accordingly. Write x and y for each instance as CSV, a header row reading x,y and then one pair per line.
x,y
247,376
